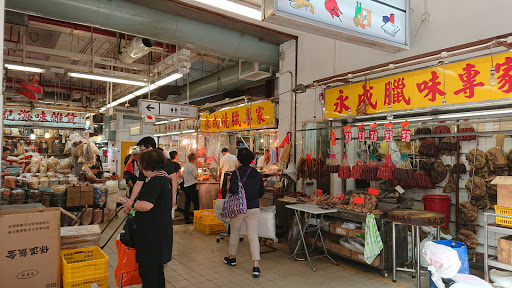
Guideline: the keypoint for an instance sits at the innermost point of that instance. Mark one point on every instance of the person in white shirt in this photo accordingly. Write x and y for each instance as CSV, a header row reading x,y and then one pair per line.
x,y
264,160
228,164
190,177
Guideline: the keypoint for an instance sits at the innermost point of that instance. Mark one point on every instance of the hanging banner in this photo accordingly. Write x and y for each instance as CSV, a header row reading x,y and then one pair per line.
x,y
43,117
249,116
463,82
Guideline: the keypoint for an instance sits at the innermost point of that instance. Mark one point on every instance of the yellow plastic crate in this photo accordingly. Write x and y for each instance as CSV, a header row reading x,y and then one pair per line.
x,y
101,281
503,211
206,216
209,228
83,263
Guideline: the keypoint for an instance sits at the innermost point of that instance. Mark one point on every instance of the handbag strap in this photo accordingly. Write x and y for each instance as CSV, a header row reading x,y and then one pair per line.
x,y
245,178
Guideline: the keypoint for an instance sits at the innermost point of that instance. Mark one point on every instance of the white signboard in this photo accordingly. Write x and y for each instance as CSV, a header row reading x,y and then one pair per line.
x,y
383,21
43,118
156,108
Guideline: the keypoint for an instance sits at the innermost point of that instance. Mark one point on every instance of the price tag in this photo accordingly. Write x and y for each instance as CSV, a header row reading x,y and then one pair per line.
x,y
319,192
359,200
348,136
308,156
405,135
399,189
333,138
374,135
388,135
373,191
341,196
361,136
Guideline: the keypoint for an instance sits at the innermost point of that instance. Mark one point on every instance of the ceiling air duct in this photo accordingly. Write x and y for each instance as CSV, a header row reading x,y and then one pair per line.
x,y
135,49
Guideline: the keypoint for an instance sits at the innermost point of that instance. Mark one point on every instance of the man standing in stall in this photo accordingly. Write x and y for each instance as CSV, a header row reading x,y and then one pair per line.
x,y
228,164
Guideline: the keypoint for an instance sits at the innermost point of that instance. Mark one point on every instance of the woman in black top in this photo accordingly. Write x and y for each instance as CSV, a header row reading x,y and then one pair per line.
x,y
254,189
153,235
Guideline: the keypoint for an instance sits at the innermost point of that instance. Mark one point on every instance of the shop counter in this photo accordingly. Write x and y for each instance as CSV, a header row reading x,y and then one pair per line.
x,y
208,191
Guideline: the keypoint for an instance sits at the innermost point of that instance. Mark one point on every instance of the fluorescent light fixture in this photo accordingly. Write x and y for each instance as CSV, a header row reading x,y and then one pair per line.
x,y
106,79
158,135
233,7
141,91
24,68
188,131
176,119
472,114
161,122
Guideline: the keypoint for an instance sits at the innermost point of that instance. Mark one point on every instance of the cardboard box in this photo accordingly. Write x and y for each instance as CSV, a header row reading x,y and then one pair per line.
x,y
505,249
336,228
504,190
340,249
73,196
86,194
74,237
360,257
30,248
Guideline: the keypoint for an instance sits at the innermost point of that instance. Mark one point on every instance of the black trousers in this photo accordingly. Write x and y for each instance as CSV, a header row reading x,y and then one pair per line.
x,y
152,275
191,196
225,182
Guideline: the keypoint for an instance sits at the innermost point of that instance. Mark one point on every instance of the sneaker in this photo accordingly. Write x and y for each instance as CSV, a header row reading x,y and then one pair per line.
x,y
230,261
256,272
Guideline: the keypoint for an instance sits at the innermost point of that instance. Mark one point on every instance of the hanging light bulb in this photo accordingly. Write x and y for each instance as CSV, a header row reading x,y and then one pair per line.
x,y
46,135
32,136
492,80
194,146
87,122
100,138
261,140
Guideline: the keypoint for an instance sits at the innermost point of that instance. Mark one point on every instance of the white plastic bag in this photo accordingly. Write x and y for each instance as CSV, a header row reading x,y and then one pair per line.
x,y
501,278
122,184
443,262
266,223
469,281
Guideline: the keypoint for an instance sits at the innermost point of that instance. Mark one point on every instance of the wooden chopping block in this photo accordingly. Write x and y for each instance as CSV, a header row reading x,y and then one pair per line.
x,y
416,217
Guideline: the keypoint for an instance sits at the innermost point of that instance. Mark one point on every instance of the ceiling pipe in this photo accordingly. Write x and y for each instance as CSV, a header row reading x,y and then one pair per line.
x,y
133,19
135,49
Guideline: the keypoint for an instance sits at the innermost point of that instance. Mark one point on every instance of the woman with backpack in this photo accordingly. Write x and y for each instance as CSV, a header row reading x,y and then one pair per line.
x,y
254,188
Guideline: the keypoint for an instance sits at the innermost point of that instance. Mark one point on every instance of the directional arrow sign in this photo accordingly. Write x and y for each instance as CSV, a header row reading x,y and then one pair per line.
x,y
158,108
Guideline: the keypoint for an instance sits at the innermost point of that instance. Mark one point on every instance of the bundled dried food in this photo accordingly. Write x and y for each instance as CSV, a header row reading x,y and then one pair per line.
x,y
461,169
482,203
332,164
439,172
90,151
64,164
496,158
44,182
422,180
10,182
357,169
34,196
428,148
17,197
52,164
324,200
371,169
34,164
450,185
5,195
404,172
365,203
467,237
59,196
73,180
344,169
404,147
476,158
468,212
443,129
467,129
386,169
97,216
426,166
86,216
448,144
422,131
43,166
476,187
33,183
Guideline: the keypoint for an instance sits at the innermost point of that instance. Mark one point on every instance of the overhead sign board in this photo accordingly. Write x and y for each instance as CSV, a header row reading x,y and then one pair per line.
x,y
43,118
381,24
163,109
255,115
457,83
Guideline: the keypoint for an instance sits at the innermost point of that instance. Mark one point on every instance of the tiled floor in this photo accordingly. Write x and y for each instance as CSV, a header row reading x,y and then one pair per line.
x,y
197,262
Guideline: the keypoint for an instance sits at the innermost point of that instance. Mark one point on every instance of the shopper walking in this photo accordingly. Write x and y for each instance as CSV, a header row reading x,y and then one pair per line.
x,y
190,177
153,235
227,164
254,189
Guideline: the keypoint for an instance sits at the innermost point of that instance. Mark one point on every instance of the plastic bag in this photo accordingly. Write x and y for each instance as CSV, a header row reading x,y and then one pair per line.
x,y
33,183
10,182
90,152
470,281
266,223
44,182
64,164
126,266
43,166
122,184
52,164
442,261
34,164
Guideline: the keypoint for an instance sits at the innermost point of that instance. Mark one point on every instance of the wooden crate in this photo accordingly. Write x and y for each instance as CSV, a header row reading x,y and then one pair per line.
x,y
505,249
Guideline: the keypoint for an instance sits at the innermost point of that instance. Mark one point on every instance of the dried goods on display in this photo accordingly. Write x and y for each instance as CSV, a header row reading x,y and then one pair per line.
x,y
296,195
496,158
404,172
439,172
344,169
386,169
357,169
509,158
482,203
5,195
324,200
429,148
443,129
371,169
422,180
483,173
34,196
310,168
52,164
17,197
362,109
476,158
476,187
10,182
448,144
368,205
468,212
467,129
43,166
450,186
461,169
404,147
332,164
426,166
469,238
422,131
